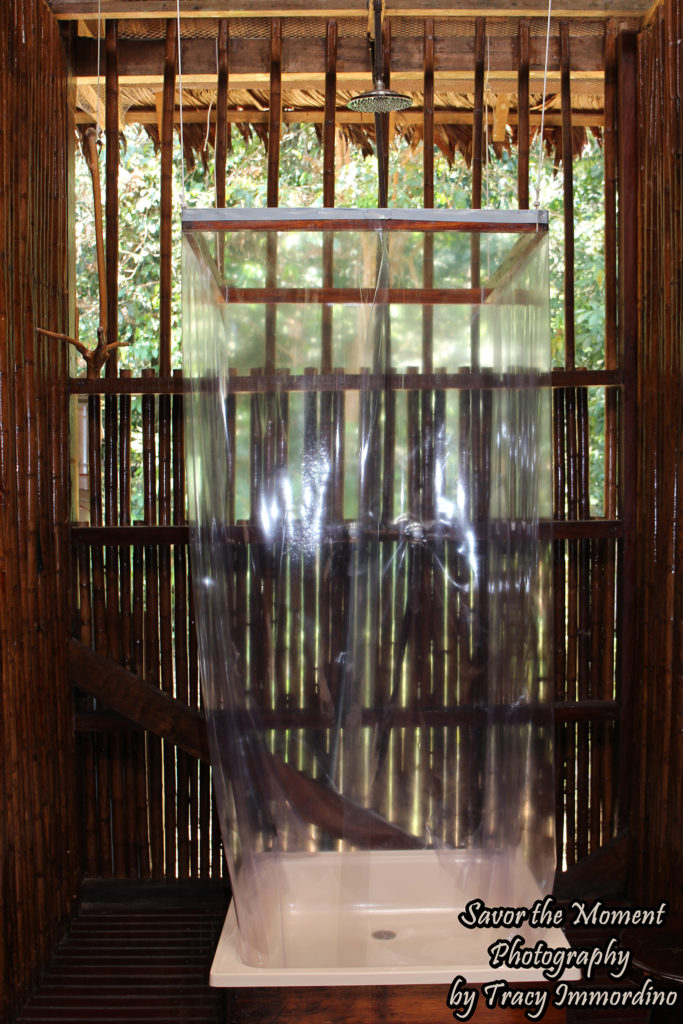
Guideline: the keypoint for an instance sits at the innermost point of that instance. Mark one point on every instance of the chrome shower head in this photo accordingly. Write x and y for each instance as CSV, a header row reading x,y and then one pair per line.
x,y
379,100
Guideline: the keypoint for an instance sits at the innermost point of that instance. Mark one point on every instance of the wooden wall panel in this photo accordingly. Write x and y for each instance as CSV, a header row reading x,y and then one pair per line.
x,y
657,814
38,834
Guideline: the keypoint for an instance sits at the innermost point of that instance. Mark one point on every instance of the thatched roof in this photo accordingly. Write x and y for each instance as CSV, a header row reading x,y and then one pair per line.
x,y
141,52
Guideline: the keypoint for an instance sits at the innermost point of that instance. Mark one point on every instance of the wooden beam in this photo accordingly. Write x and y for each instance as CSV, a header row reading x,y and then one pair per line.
x,y
275,111
478,116
112,192
415,115
600,875
303,382
166,205
329,113
428,114
627,161
73,10
152,709
142,703
142,60
523,117
568,204
221,148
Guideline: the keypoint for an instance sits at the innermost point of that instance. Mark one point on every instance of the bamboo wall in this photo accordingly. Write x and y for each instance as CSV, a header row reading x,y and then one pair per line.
x,y
658,736
147,809
39,865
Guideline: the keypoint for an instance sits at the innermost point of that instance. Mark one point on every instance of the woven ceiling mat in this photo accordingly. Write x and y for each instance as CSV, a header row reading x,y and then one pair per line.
x,y
242,28
401,26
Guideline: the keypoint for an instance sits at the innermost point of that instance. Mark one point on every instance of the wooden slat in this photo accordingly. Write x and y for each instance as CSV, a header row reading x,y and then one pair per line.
x,y
166,628
112,190
523,117
628,341
142,702
166,206
478,116
428,115
413,116
77,9
329,130
275,111
160,535
182,687
328,381
568,198
135,953
608,580
151,631
221,147
367,222
357,296
563,711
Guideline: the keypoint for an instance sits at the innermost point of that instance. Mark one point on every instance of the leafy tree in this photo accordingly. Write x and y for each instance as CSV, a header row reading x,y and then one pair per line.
x,y
356,186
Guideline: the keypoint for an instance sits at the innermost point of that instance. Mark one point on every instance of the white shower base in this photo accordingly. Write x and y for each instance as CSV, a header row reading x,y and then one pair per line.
x,y
380,918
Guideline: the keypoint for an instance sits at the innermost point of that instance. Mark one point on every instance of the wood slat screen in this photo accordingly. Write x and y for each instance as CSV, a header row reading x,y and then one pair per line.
x,y
39,835
147,809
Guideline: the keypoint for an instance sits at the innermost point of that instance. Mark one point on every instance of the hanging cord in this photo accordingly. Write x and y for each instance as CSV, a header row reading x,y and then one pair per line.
x,y
183,203
486,117
537,200
208,127
98,130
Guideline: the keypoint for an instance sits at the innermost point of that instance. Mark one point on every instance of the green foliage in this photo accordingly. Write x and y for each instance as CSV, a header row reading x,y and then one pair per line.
x,y
356,186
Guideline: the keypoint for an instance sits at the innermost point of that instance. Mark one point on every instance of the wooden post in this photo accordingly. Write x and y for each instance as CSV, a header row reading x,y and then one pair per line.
x,y
221,112
428,115
523,116
477,155
478,115
329,127
610,510
274,111
112,191
568,191
166,209
627,351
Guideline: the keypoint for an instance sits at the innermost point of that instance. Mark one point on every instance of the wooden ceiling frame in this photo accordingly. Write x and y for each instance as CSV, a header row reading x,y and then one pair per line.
x,y
73,10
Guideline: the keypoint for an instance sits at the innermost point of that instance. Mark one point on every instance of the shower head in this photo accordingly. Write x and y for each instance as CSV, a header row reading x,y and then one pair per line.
x,y
379,100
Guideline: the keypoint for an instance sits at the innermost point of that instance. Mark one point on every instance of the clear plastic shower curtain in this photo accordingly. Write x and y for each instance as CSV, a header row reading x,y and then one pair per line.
x,y
368,449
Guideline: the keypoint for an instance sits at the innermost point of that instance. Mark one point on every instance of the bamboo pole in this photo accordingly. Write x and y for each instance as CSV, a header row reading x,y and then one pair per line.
x,y
182,690
151,633
166,630
116,752
611,414
133,739
628,320
139,740
199,775
585,741
559,594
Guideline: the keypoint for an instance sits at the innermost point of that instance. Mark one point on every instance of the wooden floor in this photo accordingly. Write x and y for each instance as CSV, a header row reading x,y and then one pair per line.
x,y
142,953
135,955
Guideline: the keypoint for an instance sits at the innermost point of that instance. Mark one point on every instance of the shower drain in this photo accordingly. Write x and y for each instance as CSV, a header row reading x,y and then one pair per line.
x,y
384,933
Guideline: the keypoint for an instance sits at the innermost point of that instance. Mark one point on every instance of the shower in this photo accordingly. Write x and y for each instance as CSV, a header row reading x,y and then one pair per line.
x,y
379,100
371,586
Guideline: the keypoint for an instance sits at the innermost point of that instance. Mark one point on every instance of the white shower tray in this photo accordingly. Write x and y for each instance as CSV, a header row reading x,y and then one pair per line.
x,y
380,918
